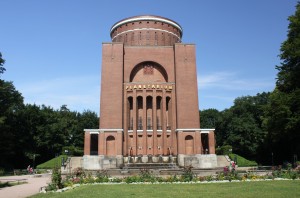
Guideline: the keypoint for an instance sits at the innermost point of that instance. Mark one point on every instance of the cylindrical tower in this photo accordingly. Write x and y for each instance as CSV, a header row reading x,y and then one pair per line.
x,y
146,30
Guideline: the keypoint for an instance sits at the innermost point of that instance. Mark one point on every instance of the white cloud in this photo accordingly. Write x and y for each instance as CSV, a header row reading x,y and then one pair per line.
x,y
220,89
78,93
232,81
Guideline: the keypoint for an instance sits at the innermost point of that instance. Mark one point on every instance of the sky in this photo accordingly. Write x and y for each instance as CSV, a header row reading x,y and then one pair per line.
x,y
53,48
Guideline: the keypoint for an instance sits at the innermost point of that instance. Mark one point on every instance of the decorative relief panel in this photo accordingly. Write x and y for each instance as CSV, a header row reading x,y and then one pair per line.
x,y
148,69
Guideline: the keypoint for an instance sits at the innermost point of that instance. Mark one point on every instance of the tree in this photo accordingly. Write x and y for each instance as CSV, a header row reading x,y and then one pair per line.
x,y
209,118
241,125
282,114
288,77
2,61
10,102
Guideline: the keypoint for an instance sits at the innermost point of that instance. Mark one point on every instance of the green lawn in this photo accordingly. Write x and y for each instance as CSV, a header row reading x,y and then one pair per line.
x,y
52,163
255,189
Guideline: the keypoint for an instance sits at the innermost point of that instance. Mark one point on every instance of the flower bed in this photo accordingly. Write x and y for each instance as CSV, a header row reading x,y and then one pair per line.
x,y
147,177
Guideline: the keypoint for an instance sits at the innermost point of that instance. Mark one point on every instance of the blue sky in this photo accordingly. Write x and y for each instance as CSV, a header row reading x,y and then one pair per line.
x,y
53,48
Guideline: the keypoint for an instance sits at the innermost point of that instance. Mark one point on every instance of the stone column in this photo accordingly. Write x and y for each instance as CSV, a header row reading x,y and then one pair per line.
x,y
174,124
134,133
154,121
87,143
164,127
144,149
125,123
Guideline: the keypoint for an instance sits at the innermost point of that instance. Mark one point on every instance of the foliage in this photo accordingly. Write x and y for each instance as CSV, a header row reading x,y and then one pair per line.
x,y
72,150
241,125
2,172
2,61
224,150
43,131
144,176
188,174
282,113
147,176
209,118
289,71
5,184
241,161
102,176
11,101
56,180
79,172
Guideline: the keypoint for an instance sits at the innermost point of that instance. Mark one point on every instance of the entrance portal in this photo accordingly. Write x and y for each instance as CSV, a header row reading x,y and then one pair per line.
x,y
94,144
204,141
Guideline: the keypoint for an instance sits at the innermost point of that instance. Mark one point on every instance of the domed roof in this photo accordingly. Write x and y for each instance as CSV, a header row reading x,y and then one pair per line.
x,y
146,30
146,18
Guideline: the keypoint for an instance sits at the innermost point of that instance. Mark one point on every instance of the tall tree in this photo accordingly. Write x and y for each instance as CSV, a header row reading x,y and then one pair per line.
x,y
241,125
289,70
11,101
282,114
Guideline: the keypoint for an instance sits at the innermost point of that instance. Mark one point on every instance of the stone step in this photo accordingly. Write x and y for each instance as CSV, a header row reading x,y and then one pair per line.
x,y
150,166
223,160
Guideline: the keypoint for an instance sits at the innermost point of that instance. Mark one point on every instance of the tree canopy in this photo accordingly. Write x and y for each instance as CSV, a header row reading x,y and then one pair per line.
x,y
282,113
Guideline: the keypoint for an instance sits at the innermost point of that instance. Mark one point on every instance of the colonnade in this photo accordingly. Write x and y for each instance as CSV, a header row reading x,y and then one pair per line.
x,y
149,121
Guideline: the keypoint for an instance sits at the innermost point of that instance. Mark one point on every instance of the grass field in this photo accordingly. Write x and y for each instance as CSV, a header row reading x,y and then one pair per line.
x,y
52,163
257,189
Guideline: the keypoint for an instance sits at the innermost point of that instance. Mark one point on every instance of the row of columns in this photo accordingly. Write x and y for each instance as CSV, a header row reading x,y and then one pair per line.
x,y
134,94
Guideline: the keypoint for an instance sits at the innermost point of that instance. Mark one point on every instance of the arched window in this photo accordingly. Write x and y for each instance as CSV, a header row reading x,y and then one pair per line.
x,y
148,72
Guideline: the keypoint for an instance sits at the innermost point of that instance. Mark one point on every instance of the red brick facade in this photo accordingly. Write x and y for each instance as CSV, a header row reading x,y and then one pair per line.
x,y
149,94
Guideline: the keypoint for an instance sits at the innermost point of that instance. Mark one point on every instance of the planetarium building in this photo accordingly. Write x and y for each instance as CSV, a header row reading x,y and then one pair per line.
x,y
149,111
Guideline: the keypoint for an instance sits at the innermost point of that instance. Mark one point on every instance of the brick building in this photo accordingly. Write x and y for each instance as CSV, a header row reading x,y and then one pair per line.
x,y
149,99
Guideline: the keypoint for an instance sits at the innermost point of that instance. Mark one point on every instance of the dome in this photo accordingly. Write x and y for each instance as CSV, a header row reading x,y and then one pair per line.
x,y
146,30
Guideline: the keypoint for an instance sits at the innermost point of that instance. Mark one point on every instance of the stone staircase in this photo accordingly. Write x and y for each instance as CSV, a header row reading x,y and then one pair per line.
x,y
223,160
71,164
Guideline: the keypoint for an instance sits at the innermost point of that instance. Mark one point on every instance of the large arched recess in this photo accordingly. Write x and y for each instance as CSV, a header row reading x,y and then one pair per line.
x,y
148,72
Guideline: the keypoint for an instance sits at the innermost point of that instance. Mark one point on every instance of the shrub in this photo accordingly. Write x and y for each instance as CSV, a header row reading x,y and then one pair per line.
x,y
116,180
79,172
102,176
132,179
56,181
171,179
224,150
188,174
72,151
5,184
146,176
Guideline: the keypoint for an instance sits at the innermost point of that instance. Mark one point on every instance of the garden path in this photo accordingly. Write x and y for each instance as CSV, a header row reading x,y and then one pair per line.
x,y
33,185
